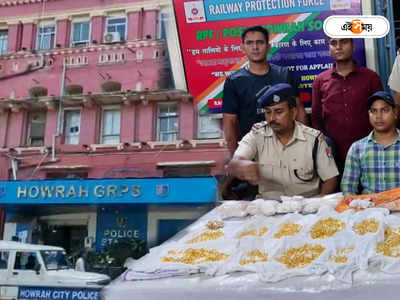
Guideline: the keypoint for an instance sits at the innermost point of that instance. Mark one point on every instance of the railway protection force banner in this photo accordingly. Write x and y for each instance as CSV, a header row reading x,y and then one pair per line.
x,y
210,31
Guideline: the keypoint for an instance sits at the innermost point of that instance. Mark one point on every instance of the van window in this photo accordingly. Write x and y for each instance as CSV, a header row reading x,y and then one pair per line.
x,y
25,261
55,259
3,259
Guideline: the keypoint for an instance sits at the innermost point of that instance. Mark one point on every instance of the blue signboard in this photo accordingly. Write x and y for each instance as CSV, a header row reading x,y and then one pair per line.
x,y
237,9
114,224
53,293
110,191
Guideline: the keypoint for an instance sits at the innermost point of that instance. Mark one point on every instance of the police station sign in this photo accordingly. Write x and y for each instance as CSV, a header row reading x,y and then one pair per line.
x,y
151,190
81,191
114,224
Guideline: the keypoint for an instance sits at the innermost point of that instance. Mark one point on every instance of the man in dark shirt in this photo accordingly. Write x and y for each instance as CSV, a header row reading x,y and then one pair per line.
x,y
339,100
394,80
245,86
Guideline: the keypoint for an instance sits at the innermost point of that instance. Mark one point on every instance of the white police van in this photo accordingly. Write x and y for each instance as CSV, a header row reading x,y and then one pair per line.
x,y
43,272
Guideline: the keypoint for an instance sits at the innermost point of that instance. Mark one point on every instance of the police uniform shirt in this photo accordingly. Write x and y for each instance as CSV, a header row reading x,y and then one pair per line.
x,y
278,162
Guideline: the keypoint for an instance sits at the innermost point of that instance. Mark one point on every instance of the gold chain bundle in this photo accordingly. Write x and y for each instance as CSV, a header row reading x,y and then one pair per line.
x,y
288,229
206,236
214,225
326,228
391,245
341,256
193,256
366,226
300,257
253,232
254,256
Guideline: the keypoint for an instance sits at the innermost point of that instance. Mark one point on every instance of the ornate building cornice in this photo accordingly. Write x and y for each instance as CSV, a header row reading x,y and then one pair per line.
x,y
21,2
67,13
92,48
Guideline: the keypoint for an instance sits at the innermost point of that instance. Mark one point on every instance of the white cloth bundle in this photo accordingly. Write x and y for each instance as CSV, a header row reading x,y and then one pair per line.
x,y
262,207
288,204
233,209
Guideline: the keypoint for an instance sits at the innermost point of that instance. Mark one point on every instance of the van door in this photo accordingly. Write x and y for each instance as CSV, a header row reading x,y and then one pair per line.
x,y
6,291
4,258
23,271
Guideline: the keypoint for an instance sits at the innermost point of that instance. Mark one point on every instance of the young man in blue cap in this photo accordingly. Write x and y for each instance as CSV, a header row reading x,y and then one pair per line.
x,y
289,157
373,163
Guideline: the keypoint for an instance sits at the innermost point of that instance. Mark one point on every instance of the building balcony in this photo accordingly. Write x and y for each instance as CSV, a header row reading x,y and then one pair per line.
x,y
135,66
90,100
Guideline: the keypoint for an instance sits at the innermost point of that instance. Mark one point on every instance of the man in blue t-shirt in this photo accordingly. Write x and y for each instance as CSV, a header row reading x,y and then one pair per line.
x,y
245,86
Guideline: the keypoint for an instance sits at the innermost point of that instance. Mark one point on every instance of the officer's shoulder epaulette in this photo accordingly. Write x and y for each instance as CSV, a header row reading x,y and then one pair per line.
x,y
312,131
257,127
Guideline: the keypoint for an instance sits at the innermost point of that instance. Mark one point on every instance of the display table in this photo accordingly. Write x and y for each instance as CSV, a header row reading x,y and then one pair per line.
x,y
370,282
247,287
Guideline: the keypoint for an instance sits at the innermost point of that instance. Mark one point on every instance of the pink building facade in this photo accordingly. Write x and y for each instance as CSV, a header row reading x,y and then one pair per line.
x,y
87,91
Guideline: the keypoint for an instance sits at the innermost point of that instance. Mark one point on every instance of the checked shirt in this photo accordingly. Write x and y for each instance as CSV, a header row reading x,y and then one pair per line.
x,y
370,167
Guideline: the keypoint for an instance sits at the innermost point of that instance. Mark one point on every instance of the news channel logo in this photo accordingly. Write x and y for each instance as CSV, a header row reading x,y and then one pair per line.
x,y
356,26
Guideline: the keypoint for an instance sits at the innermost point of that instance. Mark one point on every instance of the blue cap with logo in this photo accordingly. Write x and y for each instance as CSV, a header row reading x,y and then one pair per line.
x,y
276,94
381,95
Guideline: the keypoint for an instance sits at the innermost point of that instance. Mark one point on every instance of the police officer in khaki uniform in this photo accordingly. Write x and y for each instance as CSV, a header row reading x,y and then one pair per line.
x,y
277,154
